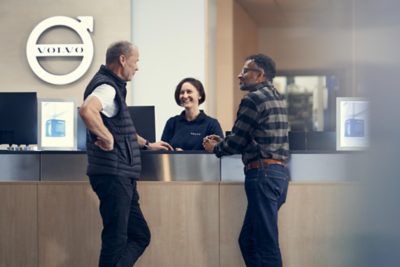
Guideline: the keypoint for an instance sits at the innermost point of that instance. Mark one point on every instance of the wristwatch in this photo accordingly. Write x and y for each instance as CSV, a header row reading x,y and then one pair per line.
x,y
146,145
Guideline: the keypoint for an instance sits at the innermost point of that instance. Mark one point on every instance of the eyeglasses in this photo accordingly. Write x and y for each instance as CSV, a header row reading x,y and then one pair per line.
x,y
246,70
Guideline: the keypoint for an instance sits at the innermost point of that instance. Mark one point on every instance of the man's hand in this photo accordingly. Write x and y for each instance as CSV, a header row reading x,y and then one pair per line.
x,y
214,137
90,114
209,142
160,145
105,144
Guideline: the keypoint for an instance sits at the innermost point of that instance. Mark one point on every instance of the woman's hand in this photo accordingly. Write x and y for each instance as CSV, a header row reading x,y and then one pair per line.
x,y
160,145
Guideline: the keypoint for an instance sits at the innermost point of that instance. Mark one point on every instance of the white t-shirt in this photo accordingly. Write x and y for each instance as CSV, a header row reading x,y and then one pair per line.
x,y
106,94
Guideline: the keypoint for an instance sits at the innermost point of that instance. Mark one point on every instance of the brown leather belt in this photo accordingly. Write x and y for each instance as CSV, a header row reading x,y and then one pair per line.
x,y
263,162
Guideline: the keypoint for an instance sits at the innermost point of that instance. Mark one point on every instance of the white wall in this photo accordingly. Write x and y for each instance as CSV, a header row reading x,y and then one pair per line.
x,y
171,36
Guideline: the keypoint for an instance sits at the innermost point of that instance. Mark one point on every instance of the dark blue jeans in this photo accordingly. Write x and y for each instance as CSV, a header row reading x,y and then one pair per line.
x,y
266,190
125,232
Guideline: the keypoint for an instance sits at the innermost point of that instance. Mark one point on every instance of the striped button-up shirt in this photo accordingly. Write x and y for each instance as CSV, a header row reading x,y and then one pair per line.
x,y
261,127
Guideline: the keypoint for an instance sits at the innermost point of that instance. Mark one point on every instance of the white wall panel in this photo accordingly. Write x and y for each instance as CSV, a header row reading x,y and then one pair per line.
x,y
171,36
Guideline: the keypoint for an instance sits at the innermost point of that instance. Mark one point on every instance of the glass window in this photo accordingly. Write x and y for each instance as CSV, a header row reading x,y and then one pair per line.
x,y
311,100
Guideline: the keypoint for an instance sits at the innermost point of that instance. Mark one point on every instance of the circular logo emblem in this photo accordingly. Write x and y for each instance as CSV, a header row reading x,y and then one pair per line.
x,y
82,26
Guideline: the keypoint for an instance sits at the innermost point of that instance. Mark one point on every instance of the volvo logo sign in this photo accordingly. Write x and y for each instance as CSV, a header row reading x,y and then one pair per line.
x,y
34,51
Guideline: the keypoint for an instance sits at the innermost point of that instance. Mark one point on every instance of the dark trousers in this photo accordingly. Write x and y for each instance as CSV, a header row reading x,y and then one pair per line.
x,y
125,232
266,190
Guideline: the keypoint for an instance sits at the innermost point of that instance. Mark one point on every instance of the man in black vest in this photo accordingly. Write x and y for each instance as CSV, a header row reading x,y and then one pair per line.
x,y
113,149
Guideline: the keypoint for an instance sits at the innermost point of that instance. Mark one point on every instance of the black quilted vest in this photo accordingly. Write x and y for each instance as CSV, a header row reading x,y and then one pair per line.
x,y
124,159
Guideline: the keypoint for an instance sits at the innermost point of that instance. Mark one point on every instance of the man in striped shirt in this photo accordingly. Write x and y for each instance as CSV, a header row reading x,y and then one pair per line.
x,y
260,134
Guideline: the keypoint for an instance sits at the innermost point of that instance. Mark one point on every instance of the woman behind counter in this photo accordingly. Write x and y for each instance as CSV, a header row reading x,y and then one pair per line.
x,y
187,130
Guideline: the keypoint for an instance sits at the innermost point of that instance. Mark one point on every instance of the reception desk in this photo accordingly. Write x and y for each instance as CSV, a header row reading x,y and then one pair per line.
x,y
194,204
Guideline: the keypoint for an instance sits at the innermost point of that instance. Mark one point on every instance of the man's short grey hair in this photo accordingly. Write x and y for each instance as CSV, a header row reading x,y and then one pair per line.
x,y
116,49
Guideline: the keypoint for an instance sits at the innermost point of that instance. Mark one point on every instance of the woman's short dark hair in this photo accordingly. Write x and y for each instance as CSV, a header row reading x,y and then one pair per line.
x,y
196,83
266,63
116,49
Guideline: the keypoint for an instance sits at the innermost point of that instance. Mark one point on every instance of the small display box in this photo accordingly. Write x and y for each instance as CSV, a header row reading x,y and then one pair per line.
x,y
57,125
352,123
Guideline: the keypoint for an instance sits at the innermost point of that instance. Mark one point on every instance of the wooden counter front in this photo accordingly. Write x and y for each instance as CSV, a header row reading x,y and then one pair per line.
x,y
196,224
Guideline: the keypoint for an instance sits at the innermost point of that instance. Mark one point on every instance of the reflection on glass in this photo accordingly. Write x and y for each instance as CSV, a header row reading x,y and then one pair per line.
x,y
354,123
55,128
